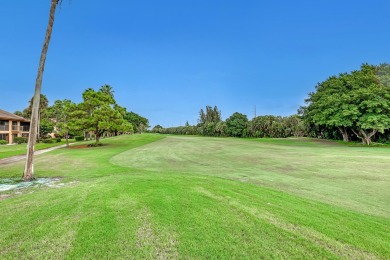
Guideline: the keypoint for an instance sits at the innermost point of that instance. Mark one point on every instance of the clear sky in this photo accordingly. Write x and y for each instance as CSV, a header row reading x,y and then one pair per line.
x,y
167,59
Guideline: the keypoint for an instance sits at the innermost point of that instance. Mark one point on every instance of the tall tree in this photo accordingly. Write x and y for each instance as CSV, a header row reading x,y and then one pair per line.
x,y
358,101
208,120
63,114
139,122
107,89
18,113
236,125
43,103
157,129
212,115
28,173
99,113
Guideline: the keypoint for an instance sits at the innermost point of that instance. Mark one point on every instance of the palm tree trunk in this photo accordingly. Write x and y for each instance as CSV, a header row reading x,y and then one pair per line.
x,y
39,120
28,174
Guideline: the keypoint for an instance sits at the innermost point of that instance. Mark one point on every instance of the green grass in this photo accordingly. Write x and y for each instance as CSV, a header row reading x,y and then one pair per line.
x,y
20,149
146,196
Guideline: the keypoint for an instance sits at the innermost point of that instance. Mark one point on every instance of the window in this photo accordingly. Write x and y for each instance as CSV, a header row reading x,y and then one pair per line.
x,y
15,126
24,127
4,125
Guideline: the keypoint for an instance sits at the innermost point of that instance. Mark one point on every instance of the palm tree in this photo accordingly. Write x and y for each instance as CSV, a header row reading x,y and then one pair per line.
x,y
43,103
28,173
107,89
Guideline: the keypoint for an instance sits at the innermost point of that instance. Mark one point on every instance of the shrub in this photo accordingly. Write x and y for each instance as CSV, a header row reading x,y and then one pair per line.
x,y
79,138
95,144
3,142
48,141
58,140
20,140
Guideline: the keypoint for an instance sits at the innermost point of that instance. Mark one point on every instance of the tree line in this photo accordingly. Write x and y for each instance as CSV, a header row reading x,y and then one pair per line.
x,y
210,123
350,106
96,116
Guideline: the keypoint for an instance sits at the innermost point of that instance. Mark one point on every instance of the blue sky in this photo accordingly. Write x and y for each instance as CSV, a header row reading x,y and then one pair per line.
x,y
167,59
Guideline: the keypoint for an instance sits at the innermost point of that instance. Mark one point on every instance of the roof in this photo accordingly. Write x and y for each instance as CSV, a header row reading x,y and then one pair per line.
x,y
9,116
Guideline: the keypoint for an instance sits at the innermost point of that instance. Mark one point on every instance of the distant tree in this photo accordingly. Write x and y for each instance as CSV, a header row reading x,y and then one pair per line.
x,y
43,103
140,123
99,113
26,113
107,89
157,129
63,114
236,125
330,105
124,128
208,120
220,128
266,126
212,115
383,73
42,109
18,113
358,101
46,126
120,109
294,126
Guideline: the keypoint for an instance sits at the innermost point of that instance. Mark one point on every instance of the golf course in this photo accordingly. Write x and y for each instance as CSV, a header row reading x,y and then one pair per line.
x,y
151,196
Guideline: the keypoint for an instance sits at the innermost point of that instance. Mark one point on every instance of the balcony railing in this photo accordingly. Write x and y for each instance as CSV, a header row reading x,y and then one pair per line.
x,y
24,128
15,128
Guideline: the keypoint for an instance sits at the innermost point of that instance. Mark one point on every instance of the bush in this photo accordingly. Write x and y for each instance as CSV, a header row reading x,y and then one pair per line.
x,y
79,138
48,141
3,142
95,144
20,140
58,140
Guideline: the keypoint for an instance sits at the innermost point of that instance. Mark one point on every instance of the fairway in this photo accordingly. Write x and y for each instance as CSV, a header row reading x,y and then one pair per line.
x,y
354,177
179,197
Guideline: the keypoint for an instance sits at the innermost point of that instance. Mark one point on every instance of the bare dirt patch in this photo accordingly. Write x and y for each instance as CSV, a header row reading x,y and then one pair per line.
x,y
315,140
4,196
81,146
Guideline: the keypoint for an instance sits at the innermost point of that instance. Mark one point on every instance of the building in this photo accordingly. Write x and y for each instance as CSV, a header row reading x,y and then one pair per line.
x,y
12,126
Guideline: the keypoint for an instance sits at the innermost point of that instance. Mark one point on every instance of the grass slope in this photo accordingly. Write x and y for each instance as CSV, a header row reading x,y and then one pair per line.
x,y
145,196
20,149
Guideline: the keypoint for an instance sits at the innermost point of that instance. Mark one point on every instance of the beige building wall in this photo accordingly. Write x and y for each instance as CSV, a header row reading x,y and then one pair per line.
x,y
15,126
12,131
